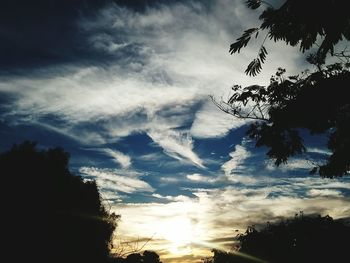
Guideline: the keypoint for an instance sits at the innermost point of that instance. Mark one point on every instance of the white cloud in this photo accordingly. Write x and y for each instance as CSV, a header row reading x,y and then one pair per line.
x,y
200,178
215,214
165,57
178,198
292,164
169,180
325,192
318,150
119,157
237,157
176,144
195,177
211,122
115,180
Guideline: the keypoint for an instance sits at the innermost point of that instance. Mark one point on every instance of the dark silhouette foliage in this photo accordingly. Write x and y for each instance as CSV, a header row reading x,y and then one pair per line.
x,y
298,22
316,101
53,216
302,239
146,257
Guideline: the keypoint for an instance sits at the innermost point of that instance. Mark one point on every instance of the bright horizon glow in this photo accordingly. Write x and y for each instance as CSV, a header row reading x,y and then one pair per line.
x,y
186,231
180,233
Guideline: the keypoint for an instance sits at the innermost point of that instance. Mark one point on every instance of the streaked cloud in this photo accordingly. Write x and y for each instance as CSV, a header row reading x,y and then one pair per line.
x,y
324,192
211,122
217,213
117,180
121,158
177,145
200,178
237,157
164,57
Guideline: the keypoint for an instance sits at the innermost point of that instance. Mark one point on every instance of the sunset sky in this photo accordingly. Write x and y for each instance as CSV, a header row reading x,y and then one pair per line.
x,y
124,87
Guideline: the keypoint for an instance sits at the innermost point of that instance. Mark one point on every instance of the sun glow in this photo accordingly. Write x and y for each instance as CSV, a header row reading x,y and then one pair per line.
x,y
180,233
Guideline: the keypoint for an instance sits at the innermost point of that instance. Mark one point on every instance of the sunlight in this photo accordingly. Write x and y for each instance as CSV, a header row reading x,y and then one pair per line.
x,y
180,234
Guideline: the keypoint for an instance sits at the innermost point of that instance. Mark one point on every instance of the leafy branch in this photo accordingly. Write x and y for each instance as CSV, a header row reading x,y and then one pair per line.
x,y
255,67
243,40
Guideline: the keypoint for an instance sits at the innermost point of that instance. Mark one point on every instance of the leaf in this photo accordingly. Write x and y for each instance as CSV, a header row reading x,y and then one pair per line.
x,y
313,171
253,4
257,33
295,77
253,68
262,54
242,41
232,99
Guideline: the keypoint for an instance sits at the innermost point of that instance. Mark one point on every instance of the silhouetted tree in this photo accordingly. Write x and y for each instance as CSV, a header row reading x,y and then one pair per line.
x,y
146,257
302,239
299,22
317,101
52,215
151,257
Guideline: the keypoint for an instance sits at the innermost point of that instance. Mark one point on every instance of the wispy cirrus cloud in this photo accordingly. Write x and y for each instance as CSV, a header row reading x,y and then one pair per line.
x,y
177,145
237,158
196,177
325,192
210,122
121,158
170,56
117,180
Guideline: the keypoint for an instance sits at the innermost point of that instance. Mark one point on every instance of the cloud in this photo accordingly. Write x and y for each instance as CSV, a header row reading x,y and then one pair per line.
x,y
169,180
323,151
50,30
292,164
120,158
114,180
178,198
200,178
214,215
211,122
165,57
177,145
324,192
237,158
195,177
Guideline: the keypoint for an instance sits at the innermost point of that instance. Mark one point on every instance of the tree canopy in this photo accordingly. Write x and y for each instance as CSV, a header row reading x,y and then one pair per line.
x,y
311,238
54,215
316,101
298,22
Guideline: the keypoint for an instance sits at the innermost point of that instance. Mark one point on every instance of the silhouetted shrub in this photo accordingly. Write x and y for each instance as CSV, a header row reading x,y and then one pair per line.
x,y
302,239
146,257
52,215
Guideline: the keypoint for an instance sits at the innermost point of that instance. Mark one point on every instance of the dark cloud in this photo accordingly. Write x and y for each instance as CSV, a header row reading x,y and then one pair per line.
x,y
45,32
38,33
42,32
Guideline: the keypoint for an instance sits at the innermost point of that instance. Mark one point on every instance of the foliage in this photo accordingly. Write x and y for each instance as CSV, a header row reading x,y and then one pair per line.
x,y
124,247
146,257
56,216
316,101
290,103
301,239
298,22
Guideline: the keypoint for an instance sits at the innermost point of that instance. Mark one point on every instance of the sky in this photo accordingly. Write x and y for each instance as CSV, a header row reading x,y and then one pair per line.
x,y
124,87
